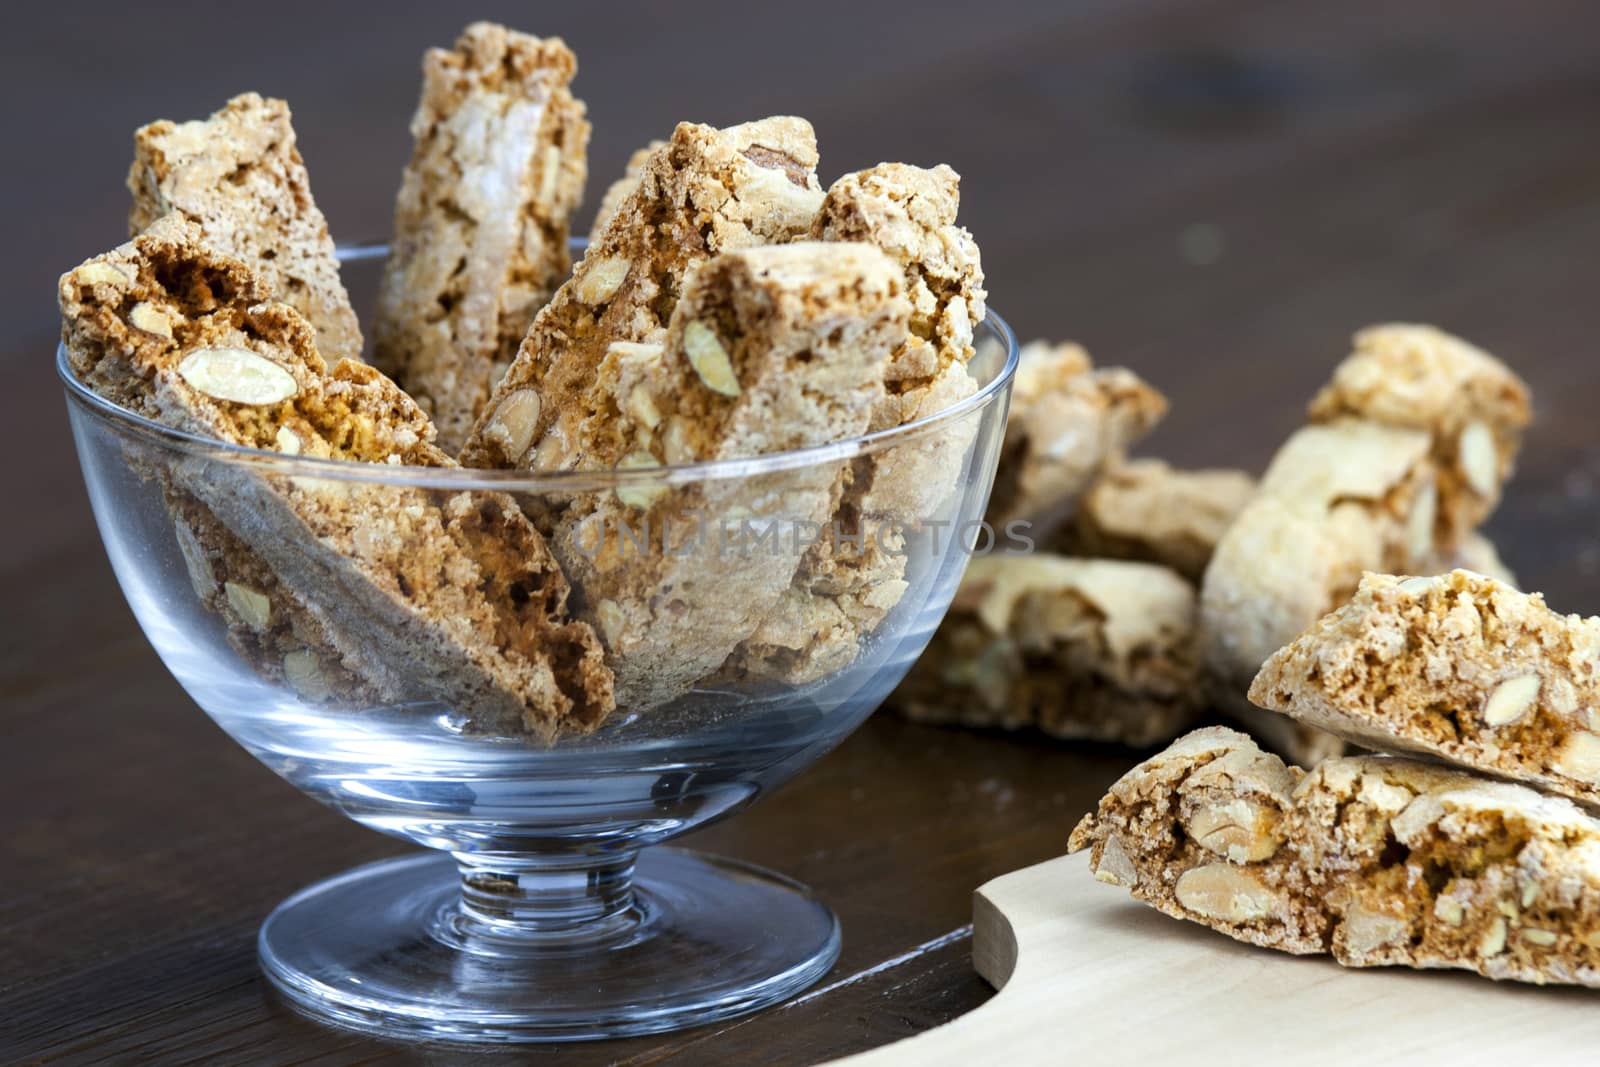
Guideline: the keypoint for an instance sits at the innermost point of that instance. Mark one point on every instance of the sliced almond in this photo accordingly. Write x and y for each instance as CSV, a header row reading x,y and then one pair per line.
x,y
288,441
609,615
709,359
1115,868
1417,586
1580,757
642,497
1533,935
1449,911
642,406
237,375
1419,526
1239,830
515,420
251,605
1493,941
1223,891
551,172
305,676
201,576
599,281
675,443
151,319
1511,700
99,273
1480,460
1365,931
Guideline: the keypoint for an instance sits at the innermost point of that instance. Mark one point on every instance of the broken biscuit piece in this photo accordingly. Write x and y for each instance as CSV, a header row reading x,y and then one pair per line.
x,y
770,349
1458,667
238,175
425,595
1069,422
619,190
1471,405
481,220
706,191
1079,648
1144,509
1378,860
844,588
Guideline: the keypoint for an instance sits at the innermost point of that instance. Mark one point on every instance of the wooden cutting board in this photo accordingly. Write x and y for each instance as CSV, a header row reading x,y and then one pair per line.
x,y
1086,976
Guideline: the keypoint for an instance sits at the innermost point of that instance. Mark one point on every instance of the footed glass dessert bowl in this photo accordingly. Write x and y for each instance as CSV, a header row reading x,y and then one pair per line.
x,y
544,908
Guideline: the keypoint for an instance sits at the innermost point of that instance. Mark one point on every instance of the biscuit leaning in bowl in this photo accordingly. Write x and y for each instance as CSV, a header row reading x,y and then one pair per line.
x,y
770,349
448,596
238,175
706,191
481,219
1379,860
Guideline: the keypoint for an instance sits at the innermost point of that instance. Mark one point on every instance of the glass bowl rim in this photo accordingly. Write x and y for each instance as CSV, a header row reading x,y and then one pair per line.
x,y
453,478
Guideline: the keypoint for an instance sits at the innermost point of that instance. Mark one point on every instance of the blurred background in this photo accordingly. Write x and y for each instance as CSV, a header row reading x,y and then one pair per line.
x,y
1213,193
1216,193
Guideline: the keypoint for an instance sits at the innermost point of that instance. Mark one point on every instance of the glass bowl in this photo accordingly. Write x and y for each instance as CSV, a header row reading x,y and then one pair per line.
x,y
544,911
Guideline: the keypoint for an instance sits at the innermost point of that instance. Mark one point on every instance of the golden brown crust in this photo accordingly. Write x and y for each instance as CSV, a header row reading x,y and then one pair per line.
x,y
1377,860
450,597
707,191
1092,649
238,175
1146,510
481,220
1069,422
769,349
1458,667
844,588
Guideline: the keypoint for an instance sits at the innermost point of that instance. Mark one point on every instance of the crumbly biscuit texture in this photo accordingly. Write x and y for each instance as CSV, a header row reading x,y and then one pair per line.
x,y
481,220
238,175
445,596
623,187
770,349
1146,510
1069,422
706,191
1377,860
855,573
1472,406
1458,667
1079,648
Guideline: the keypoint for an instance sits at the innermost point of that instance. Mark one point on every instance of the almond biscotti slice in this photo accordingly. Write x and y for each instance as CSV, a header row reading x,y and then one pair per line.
x,y
481,221
1459,667
238,175
623,187
770,349
1069,422
706,191
1378,860
267,622
1079,648
445,596
1146,510
1473,407
854,575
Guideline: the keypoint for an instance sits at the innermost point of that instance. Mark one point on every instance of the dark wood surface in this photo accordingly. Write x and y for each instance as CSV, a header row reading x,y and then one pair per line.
x,y
1215,193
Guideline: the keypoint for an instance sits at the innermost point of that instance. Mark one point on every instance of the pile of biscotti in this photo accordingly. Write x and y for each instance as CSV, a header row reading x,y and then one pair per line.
x,y
1484,855
727,306
1158,593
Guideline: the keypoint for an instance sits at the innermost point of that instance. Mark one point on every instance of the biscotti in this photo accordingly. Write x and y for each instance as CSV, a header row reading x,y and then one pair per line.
x,y
1380,861
1100,650
1457,667
855,573
769,349
238,176
452,597
481,220
706,191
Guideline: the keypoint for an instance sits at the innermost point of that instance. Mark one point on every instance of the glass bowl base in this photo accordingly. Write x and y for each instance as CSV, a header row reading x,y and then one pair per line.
x,y
380,949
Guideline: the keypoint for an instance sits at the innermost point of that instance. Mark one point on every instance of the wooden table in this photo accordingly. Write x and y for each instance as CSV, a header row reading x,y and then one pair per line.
x,y
1215,193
